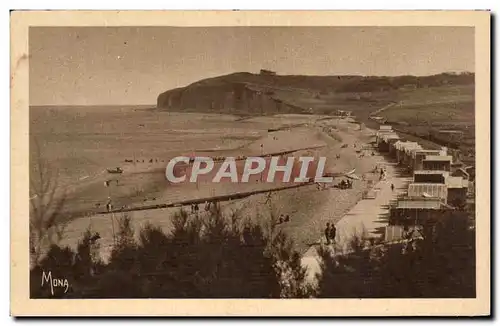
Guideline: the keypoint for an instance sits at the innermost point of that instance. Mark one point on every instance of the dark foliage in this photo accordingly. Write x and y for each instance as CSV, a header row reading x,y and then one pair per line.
x,y
440,265
205,256
212,256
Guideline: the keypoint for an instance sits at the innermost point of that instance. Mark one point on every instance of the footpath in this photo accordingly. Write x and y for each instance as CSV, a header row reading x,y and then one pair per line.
x,y
368,218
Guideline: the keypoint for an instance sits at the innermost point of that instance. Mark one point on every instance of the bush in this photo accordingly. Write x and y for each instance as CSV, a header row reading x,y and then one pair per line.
x,y
204,257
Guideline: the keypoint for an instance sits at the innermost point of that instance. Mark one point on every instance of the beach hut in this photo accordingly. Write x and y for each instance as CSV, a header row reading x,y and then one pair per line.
x,y
418,155
457,191
428,190
430,176
385,141
403,151
437,162
421,211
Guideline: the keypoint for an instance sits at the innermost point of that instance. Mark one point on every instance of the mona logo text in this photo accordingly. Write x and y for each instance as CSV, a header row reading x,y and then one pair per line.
x,y
54,283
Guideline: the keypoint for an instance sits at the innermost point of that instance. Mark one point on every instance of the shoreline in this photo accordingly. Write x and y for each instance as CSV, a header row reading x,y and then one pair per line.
x,y
309,208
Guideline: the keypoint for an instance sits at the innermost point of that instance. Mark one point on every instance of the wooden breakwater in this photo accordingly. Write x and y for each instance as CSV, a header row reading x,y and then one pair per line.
x,y
229,197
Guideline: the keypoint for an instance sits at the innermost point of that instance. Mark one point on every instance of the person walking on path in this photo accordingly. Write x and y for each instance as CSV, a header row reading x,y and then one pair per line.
x,y
327,233
392,186
333,232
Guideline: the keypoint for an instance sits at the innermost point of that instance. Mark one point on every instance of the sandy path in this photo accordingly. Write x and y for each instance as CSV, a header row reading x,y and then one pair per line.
x,y
368,215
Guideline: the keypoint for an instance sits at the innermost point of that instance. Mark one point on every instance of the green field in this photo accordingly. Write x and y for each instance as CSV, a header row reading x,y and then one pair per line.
x,y
426,113
419,114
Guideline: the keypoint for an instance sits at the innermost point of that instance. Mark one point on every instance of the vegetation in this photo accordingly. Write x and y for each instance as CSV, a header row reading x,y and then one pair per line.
x,y
46,225
215,256
204,257
375,84
441,264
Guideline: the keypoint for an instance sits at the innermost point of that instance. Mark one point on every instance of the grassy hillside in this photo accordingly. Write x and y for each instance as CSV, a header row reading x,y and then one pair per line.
x,y
257,94
421,107
444,115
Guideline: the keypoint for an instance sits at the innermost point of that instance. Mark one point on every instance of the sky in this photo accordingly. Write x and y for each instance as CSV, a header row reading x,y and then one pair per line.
x,y
133,65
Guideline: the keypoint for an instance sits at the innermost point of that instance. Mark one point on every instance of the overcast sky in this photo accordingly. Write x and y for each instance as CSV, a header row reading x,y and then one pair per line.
x,y
132,65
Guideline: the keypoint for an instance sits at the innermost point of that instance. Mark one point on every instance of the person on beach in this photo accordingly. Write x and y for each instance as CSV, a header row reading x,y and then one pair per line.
x,y
109,206
327,233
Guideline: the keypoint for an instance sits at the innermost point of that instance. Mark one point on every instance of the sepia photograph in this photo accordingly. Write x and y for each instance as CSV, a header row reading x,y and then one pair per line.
x,y
239,160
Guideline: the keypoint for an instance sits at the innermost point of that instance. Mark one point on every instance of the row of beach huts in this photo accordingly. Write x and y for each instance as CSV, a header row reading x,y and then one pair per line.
x,y
439,185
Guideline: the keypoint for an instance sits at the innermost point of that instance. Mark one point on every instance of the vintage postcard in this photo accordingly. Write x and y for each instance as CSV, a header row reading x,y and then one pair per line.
x,y
260,163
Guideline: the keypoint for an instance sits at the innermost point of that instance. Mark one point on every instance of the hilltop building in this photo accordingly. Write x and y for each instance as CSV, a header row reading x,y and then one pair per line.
x,y
266,72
